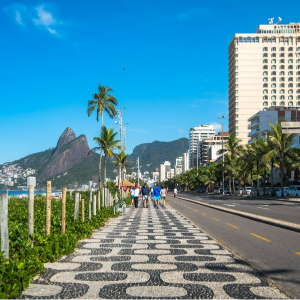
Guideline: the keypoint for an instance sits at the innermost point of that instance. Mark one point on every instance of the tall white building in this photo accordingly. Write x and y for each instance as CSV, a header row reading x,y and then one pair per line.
x,y
164,171
186,161
264,70
197,135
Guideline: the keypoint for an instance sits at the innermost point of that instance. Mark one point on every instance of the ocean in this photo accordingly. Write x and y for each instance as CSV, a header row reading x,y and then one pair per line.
x,y
18,193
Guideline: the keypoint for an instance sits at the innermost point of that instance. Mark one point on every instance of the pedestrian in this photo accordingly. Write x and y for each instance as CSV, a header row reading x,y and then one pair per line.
x,y
175,192
136,196
163,194
156,195
145,195
132,195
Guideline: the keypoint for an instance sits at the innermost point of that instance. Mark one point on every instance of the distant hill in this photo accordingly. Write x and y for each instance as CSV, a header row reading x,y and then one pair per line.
x,y
68,164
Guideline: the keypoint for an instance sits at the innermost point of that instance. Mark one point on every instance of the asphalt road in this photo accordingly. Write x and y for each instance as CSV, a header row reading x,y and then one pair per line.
x,y
269,249
272,208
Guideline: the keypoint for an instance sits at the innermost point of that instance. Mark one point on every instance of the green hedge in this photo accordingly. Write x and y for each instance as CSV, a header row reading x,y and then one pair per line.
x,y
25,261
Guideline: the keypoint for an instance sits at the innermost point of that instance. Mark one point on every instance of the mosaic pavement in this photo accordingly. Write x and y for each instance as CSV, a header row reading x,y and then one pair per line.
x,y
150,254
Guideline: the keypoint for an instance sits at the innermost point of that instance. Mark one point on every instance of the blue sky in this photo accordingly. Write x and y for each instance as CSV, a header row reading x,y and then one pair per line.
x,y
166,61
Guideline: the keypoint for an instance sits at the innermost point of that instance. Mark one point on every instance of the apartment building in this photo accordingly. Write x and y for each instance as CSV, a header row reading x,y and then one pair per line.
x,y
264,70
196,136
259,123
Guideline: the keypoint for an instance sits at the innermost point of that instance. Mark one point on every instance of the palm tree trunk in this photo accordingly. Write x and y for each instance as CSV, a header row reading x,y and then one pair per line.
x,y
104,171
120,181
100,169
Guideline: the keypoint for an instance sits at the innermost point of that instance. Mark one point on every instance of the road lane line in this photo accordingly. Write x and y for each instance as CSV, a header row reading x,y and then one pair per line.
x,y
261,237
204,214
298,253
195,210
215,218
231,225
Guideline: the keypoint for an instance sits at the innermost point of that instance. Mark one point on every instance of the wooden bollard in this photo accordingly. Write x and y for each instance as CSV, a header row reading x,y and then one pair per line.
x,y
4,224
48,208
94,205
90,205
82,210
63,210
76,209
31,213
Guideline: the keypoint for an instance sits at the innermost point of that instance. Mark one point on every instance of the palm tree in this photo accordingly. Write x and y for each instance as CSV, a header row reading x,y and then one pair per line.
x,y
103,101
122,162
106,144
280,149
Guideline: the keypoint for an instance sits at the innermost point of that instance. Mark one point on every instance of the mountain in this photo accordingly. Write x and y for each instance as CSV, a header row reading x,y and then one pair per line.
x,y
68,164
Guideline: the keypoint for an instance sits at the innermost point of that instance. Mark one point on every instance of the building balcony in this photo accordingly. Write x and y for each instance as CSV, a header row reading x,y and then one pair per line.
x,y
253,124
253,132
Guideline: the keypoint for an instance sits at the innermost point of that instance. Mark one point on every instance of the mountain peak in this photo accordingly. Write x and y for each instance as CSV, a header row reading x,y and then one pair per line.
x,y
66,137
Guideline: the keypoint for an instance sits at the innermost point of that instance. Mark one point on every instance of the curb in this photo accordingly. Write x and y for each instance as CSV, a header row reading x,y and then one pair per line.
x,y
270,221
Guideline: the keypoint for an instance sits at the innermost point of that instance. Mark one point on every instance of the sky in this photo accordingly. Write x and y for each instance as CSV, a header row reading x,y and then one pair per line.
x,y
166,61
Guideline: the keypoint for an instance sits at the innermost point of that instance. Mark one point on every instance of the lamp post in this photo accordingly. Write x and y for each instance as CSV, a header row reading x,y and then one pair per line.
x,y
197,158
223,179
124,134
120,122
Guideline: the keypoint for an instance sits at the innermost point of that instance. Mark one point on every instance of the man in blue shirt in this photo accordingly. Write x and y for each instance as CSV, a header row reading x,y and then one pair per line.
x,y
145,195
156,195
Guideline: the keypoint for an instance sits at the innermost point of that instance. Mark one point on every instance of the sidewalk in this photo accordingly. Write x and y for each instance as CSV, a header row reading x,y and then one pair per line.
x,y
150,253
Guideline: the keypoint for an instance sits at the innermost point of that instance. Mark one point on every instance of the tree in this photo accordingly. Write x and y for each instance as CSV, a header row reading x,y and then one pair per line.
x,y
122,162
280,150
106,144
103,101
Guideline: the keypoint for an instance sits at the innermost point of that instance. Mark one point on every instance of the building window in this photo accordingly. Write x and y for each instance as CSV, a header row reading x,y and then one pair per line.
x,y
265,103
291,55
265,85
281,91
236,110
265,73
273,92
273,61
265,49
265,91
290,73
282,67
273,85
273,55
291,61
298,91
273,79
265,67
265,61
282,49
298,79
282,73
290,78
273,98
236,98
298,66
290,67
281,55
265,97
290,48
282,85
282,103
291,98
298,48
273,68
281,79
290,91
273,103
265,79
273,73
290,85
282,61
282,98
290,103
236,115
273,49
265,55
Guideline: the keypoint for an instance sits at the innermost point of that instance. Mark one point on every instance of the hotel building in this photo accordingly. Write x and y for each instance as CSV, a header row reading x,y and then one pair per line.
x,y
264,70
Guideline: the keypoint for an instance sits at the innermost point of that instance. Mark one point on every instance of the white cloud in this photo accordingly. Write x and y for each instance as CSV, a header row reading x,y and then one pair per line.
x,y
217,126
39,16
45,19
19,18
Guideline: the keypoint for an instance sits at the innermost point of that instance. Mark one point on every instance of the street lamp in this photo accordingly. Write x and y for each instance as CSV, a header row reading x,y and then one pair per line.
x,y
197,159
124,134
223,180
120,122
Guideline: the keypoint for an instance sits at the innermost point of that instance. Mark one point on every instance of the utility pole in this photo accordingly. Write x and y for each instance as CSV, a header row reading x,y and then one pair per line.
x,y
138,166
223,179
120,122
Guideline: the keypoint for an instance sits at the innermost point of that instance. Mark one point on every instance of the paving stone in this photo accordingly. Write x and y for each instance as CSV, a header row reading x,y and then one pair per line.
x,y
150,254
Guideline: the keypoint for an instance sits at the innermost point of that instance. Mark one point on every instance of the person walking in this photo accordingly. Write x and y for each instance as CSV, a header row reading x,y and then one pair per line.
x,y
145,195
136,196
156,195
175,192
132,195
163,194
